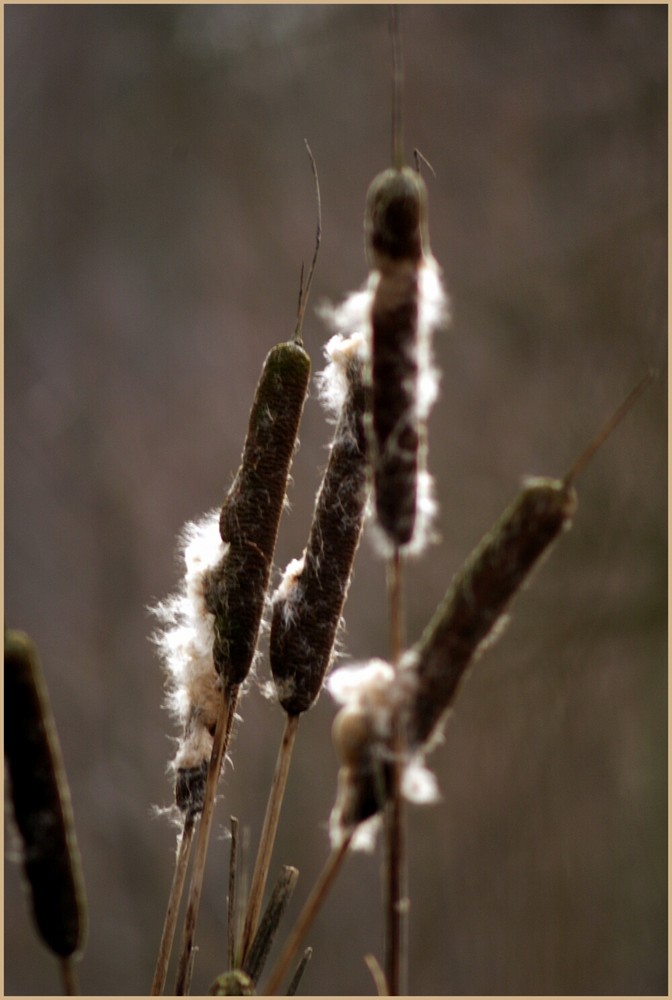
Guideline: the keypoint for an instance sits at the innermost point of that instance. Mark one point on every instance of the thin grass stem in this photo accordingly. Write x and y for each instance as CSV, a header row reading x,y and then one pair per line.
x,y
308,914
174,899
614,420
268,833
220,743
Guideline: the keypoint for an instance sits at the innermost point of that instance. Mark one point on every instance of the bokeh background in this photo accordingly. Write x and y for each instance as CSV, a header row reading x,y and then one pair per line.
x,y
159,203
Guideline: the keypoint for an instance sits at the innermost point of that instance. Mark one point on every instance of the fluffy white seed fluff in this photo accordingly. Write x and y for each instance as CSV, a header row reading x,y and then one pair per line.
x,y
348,343
369,694
186,639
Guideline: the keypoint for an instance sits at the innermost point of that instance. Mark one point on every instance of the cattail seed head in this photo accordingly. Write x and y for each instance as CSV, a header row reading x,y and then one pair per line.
x,y
41,799
251,511
308,603
407,304
395,222
473,610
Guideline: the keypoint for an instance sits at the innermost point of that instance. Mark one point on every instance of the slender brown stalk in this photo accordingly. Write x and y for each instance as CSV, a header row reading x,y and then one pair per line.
x,y
614,420
255,959
394,596
231,903
268,833
220,743
69,977
174,899
298,975
397,89
395,908
308,914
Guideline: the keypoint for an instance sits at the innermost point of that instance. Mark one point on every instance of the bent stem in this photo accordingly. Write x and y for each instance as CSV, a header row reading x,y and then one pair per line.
x,y
268,833
176,890
308,914
219,746
395,905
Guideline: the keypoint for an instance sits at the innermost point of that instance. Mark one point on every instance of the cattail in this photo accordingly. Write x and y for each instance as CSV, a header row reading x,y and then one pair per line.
x,y
375,695
251,511
308,603
471,614
211,626
407,304
41,798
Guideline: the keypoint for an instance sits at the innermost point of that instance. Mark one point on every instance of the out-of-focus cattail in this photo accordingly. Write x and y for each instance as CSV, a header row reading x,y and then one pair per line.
x,y
371,695
407,304
251,511
471,614
41,799
423,688
308,603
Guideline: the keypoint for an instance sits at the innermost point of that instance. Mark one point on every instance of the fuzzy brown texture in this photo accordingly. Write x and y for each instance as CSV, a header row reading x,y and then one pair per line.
x,y
395,223
394,421
396,239
190,788
304,624
479,595
41,799
251,511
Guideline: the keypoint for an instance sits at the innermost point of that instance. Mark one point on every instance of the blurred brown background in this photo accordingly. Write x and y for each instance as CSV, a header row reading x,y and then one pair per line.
x,y
159,203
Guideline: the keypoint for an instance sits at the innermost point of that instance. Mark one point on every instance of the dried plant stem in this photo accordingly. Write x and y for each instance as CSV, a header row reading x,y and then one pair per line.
x,y
268,833
69,977
219,746
298,975
255,960
308,914
395,906
394,597
395,935
377,975
614,420
231,905
174,899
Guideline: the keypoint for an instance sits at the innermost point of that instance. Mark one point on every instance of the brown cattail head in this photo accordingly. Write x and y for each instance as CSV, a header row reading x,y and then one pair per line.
x,y
251,511
395,223
407,304
41,799
467,618
308,604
